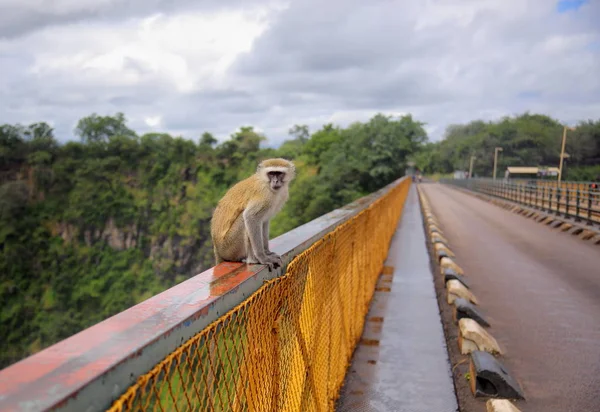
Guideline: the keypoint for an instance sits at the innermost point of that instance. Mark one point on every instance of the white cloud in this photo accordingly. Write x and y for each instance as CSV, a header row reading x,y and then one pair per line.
x,y
189,52
153,121
187,67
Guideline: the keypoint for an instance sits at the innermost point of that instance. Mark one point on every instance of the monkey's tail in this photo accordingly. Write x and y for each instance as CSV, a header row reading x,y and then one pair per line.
x,y
217,257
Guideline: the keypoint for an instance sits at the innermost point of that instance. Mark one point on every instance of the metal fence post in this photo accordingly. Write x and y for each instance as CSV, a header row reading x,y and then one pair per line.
x,y
577,200
589,208
544,189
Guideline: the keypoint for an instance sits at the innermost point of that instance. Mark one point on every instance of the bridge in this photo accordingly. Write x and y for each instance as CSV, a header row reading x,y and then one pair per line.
x,y
357,318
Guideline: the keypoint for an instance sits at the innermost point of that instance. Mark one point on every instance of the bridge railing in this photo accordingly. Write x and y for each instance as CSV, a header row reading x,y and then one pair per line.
x,y
576,200
564,184
235,337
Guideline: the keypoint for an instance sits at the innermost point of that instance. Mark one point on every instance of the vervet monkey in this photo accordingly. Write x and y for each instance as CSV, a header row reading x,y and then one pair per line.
x,y
240,223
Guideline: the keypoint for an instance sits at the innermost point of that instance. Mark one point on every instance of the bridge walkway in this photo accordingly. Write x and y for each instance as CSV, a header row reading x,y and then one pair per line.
x,y
401,362
540,290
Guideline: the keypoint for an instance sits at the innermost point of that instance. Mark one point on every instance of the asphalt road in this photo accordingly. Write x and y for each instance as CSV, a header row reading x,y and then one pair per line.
x,y
540,290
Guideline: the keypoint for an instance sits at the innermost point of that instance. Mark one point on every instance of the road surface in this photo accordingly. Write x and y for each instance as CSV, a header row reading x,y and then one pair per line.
x,y
540,289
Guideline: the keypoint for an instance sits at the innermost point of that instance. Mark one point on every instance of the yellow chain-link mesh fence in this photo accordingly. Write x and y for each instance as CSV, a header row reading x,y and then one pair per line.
x,y
286,347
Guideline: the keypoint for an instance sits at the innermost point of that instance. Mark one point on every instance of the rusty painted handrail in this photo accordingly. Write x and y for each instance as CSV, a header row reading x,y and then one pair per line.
x,y
90,369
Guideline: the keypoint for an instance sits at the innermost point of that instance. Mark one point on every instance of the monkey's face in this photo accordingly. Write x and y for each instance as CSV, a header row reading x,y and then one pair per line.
x,y
276,180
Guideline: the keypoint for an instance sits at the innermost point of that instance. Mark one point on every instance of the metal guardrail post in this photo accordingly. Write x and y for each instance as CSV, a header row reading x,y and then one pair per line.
x,y
544,190
521,194
589,209
577,217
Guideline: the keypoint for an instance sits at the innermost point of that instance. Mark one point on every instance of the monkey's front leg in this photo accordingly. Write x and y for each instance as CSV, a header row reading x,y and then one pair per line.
x,y
275,258
265,232
256,250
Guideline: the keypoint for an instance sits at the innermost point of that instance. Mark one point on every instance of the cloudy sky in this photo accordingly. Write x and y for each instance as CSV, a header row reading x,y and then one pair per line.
x,y
189,66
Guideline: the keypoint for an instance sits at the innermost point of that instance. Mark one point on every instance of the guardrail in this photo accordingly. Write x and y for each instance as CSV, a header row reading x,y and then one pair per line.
x,y
564,184
235,337
571,199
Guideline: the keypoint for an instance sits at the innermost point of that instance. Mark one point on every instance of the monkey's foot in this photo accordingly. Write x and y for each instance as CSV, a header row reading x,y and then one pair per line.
x,y
275,259
272,261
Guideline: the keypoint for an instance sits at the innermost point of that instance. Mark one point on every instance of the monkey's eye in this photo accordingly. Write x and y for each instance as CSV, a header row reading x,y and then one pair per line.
x,y
275,174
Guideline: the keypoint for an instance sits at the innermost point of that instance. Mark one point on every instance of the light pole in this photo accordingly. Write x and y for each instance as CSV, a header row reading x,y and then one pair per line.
x,y
496,150
471,167
562,152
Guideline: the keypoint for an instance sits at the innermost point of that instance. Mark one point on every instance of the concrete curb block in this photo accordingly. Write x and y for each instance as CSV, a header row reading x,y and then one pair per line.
x,y
488,377
442,251
548,218
586,234
435,229
566,226
500,405
432,222
450,274
465,309
448,263
474,337
438,238
455,290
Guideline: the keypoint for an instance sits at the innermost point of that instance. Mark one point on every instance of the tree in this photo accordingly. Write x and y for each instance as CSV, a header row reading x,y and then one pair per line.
x,y
208,139
320,142
300,133
95,128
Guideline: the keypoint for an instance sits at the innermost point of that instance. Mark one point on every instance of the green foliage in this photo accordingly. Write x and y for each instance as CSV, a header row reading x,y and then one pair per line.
x,y
337,166
526,140
94,128
90,228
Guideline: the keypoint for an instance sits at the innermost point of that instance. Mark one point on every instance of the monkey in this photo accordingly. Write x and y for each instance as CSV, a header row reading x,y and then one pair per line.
x,y
240,222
